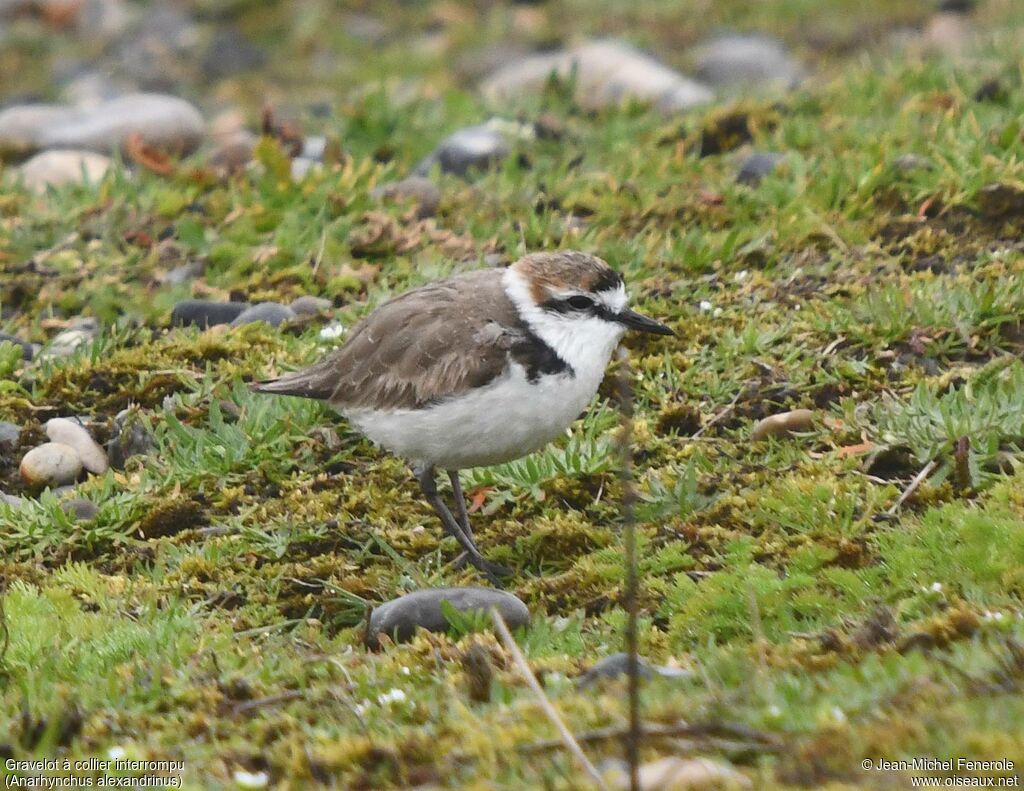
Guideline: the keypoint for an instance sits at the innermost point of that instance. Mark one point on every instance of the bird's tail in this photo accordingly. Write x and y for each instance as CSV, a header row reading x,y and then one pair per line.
x,y
299,383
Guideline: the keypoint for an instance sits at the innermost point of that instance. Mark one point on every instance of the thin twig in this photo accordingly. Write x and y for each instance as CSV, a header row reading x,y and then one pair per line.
x,y
913,487
725,411
566,737
632,576
5,632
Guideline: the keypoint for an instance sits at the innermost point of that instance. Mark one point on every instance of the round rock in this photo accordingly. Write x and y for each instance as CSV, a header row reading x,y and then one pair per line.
x,y
80,509
204,313
26,348
747,60
417,190
10,434
783,424
273,313
401,617
310,305
92,455
758,165
51,464
473,148
59,167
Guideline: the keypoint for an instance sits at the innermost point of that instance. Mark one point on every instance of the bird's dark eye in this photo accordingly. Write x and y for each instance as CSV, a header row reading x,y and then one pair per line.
x,y
580,303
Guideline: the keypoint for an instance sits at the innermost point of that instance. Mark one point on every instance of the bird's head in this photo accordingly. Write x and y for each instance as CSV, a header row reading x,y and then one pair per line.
x,y
575,290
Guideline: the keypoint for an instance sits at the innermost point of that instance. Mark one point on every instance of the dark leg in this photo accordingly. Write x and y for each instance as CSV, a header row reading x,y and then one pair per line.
x,y
425,476
460,504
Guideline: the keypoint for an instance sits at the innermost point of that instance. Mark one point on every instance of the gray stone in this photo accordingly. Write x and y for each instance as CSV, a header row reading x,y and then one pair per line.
x,y
310,305
607,72
612,667
11,500
66,342
81,509
303,165
59,167
747,60
618,665
184,273
273,313
92,455
908,163
163,122
473,148
229,52
758,165
203,313
418,190
314,148
401,617
50,464
27,351
129,437
10,435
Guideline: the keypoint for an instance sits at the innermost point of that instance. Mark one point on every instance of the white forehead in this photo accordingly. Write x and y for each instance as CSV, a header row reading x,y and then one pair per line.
x,y
615,299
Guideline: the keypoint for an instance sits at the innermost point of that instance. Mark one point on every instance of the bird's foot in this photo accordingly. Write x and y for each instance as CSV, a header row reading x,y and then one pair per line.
x,y
495,572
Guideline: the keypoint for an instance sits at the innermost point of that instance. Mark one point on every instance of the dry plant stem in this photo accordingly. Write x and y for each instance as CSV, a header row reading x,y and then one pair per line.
x,y
914,485
524,669
632,582
725,411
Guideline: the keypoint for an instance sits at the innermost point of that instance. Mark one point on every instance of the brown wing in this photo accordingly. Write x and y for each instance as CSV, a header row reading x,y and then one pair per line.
x,y
425,345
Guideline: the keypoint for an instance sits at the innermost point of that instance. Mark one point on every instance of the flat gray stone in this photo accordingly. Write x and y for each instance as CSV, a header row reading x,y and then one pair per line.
x,y
607,72
164,122
747,60
401,617
204,313
272,313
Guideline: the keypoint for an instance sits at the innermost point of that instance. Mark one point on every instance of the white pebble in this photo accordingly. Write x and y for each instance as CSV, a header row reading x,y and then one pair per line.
x,y
51,464
705,305
251,779
391,696
94,458
332,331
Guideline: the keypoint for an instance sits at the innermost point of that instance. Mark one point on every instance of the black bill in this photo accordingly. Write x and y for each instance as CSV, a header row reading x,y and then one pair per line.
x,y
638,321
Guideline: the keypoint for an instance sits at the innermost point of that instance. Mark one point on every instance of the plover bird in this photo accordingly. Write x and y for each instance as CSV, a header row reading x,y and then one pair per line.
x,y
477,369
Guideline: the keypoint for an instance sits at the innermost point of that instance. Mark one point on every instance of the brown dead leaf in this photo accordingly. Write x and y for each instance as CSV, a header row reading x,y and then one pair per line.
x,y
477,498
148,157
855,450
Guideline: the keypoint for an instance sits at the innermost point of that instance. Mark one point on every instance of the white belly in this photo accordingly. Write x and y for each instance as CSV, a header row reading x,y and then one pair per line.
x,y
489,425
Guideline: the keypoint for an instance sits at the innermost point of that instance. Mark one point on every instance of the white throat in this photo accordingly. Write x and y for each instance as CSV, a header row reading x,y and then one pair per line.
x,y
586,344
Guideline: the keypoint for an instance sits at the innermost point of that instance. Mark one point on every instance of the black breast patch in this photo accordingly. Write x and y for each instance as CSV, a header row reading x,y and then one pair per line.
x,y
537,357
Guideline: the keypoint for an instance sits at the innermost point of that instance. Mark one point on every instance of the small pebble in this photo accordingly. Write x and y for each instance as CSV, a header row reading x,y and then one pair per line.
x,y
92,455
678,774
11,500
310,306
272,313
50,464
757,166
783,424
473,148
66,342
612,667
747,60
81,509
908,163
10,434
416,189
60,166
203,313
401,617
